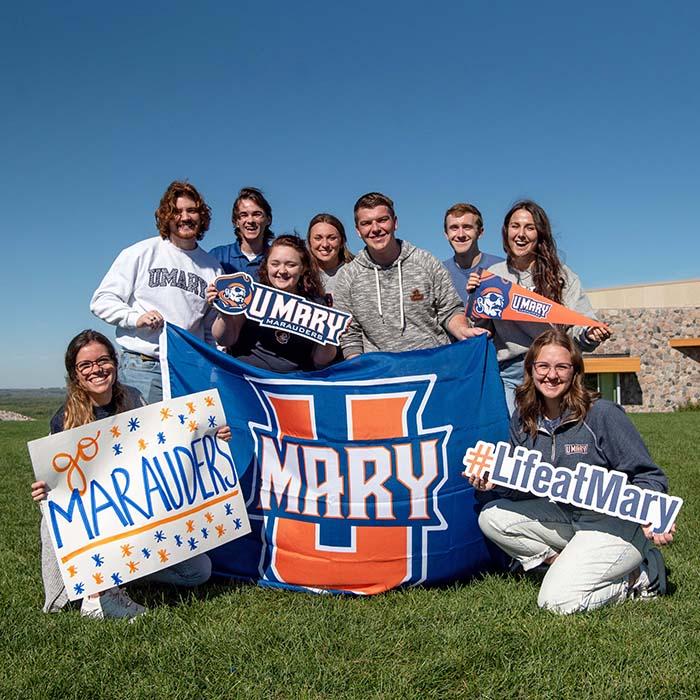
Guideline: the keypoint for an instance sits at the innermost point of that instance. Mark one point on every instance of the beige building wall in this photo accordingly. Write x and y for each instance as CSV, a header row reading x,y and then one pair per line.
x,y
662,295
644,319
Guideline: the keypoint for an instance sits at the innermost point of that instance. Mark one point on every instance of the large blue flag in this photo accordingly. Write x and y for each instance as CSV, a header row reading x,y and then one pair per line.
x,y
352,475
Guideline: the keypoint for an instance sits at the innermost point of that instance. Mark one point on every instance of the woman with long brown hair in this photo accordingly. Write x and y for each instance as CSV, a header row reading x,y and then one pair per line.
x,y
328,245
592,559
533,262
287,266
93,392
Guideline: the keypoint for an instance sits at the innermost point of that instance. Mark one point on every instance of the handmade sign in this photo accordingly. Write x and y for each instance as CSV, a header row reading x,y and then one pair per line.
x,y
499,298
139,491
588,486
352,475
241,294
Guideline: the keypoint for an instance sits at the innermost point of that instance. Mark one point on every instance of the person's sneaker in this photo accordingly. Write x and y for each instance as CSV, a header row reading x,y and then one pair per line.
x,y
652,580
112,603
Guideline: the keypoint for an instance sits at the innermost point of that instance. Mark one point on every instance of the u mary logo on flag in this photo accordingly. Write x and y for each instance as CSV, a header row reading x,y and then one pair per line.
x,y
333,509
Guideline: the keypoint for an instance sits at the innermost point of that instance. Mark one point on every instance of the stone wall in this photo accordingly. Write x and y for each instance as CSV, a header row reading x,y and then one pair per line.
x,y
668,377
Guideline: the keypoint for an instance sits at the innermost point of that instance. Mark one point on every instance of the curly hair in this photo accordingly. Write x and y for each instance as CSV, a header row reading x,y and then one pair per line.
x,y
372,200
78,407
167,210
256,195
344,254
577,399
547,273
309,284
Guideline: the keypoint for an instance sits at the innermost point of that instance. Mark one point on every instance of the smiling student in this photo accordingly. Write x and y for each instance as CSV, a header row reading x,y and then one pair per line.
x,y
594,559
328,246
251,217
286,266
464,226
532,262
163,278
400,297
93,392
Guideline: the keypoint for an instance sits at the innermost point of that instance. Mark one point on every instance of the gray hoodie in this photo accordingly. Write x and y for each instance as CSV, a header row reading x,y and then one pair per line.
x,y
403,306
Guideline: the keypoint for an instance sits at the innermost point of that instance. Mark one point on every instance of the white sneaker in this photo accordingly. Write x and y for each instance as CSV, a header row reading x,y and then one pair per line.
x,y
652,581
112,603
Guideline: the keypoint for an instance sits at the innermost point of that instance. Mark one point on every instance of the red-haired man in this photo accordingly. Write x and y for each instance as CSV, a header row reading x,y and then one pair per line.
x,y
160,279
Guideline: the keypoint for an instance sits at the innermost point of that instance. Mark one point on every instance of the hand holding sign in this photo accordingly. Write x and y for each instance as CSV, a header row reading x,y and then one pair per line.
x,y
659,538
239,294
499,298
137,492
597,334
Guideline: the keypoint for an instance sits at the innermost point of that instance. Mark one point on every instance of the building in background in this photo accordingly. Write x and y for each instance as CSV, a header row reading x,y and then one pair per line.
x,y
652,361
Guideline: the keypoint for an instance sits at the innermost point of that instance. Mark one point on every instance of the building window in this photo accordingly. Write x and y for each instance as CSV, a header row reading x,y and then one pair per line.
x,y
606,383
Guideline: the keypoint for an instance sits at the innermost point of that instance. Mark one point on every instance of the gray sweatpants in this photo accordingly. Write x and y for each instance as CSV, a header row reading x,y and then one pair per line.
x,y
192,572
55,596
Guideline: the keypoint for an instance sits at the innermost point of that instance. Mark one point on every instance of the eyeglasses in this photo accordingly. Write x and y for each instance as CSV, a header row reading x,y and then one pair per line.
x,y
85,367
257,215
542,369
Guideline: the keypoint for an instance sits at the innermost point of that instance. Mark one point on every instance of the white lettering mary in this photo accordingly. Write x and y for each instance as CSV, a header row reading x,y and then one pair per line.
x,y
335,499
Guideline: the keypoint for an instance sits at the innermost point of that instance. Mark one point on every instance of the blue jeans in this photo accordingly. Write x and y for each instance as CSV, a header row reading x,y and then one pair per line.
x,y
512,373
189,573
143,374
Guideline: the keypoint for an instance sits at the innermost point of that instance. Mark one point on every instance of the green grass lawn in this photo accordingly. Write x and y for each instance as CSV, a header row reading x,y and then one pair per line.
x,y
484,639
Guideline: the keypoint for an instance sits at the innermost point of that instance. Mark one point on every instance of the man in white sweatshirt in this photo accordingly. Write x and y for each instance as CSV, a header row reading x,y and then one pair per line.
x,y
400,296
156,280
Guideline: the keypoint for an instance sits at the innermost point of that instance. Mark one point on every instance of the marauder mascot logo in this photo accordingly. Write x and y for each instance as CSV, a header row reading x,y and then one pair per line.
x,y
490,298
240,294
235,292
350,513
490,303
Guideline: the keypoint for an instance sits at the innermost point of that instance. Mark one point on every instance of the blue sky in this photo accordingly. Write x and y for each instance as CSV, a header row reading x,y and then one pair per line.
x,y
590,109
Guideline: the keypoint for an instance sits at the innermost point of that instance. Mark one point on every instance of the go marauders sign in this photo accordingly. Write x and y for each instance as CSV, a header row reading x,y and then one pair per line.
x,y
137,492
273,308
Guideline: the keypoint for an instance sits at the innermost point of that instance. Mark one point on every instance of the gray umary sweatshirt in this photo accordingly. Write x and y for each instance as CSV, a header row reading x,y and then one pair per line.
x,y
403,306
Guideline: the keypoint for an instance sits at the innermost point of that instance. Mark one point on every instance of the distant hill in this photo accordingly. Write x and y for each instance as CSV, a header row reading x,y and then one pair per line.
x,y
9,394
37,403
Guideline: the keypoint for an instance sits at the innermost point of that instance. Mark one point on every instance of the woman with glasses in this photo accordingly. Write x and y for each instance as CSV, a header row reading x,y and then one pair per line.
x,y
532,262
93,392
590,559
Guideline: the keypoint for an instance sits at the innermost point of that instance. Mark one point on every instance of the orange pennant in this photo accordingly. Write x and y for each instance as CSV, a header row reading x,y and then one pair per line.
x,y
498,298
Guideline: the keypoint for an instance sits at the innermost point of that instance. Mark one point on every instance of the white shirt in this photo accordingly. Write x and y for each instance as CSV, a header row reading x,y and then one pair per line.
x,y
156,274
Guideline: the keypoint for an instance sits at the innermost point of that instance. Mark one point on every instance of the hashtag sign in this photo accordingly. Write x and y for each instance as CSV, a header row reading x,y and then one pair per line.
x,y
479,458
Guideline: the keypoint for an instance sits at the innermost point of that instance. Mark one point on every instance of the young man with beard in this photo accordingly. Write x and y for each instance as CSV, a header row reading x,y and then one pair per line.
x,y
251,217
400,296
160,279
